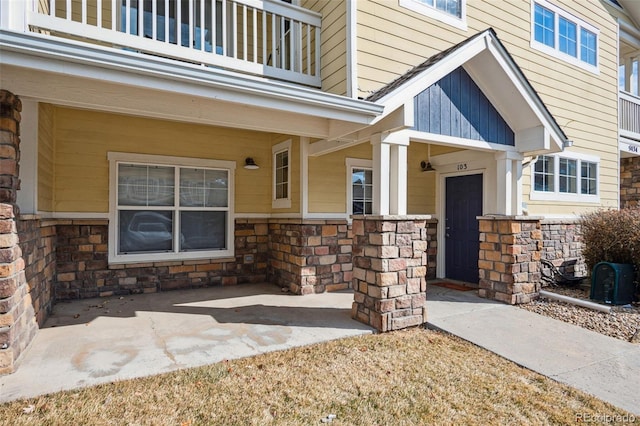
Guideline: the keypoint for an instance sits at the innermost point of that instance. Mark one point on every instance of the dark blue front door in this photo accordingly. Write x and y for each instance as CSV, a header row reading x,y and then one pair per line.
x,y
462,236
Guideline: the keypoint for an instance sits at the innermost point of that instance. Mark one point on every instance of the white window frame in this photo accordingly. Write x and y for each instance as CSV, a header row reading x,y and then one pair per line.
x,y
355,163
281,203
555,50
556,195
430,11
116,158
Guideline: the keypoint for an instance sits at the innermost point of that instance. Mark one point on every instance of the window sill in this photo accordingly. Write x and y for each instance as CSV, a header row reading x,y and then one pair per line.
x,y
177,258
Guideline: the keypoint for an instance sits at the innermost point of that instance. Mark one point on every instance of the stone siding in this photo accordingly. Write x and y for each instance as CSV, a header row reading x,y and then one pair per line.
x,y
17,319
509,258
630,182
83,270
562,245
38,240
310,256
391,258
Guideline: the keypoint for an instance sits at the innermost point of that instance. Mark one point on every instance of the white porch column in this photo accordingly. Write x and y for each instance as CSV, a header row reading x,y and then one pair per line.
x,y
27,195
13,13
508,183
628,69
389,174
381,163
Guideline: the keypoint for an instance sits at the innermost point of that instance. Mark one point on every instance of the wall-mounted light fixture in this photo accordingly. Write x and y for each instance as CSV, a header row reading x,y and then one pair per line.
x,y
426,165
250,164
567,143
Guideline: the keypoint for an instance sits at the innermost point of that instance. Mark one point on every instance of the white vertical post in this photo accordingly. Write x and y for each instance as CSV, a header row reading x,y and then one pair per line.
x,y
28,193
508,183
628,70
398,180
381,159
304,176
503,184
517,186
13,15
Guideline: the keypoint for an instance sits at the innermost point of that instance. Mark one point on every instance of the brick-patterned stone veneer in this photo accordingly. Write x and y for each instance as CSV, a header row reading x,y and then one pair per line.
x,y
509,258
630,182
17,319
562,245
390,270
83,270
38,240
310,256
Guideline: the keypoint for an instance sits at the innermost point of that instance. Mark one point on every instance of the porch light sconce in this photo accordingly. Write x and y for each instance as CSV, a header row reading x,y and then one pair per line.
x,y
427,167
250,164
567,143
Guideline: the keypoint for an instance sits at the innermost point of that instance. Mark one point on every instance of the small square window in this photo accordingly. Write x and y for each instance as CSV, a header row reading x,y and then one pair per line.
x,y
588,47
544,26
567,37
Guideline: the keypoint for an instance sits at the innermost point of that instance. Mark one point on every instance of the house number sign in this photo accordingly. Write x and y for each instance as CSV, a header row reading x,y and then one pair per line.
x,y
462,166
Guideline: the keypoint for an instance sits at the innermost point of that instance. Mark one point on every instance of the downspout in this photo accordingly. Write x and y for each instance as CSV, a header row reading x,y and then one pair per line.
x,y
352,50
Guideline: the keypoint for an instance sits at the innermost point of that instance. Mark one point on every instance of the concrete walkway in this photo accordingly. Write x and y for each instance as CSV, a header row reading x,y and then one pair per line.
x,y
102,340
602,366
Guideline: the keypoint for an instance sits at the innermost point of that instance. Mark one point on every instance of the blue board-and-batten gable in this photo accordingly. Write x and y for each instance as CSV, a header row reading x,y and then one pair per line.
x,y
455,106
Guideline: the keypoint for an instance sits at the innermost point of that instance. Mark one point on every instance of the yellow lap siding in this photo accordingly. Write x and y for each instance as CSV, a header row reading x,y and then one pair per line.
x,y
46,157
83,139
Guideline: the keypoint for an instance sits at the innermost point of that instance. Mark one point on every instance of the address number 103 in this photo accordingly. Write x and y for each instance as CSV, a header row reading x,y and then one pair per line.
x,y
462,166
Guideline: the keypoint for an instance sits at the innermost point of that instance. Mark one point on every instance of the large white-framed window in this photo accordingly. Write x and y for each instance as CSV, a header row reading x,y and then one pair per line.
x,y
169,208
566,177
359,186
558,33
281,175
451,12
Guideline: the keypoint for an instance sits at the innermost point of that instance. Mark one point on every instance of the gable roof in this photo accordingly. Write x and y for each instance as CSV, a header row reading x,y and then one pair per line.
x,y
495,71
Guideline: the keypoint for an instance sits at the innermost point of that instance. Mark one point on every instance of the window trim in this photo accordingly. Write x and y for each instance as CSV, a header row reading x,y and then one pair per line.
x,y
555,50
281,203
355,163
423,9
116,158
556,194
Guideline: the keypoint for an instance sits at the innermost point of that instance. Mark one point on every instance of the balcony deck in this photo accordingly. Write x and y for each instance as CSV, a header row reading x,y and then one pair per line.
x,y
266,38
629,115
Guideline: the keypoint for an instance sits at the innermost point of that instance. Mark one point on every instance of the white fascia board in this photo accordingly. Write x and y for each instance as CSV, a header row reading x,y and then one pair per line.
x,y
430,76
70,57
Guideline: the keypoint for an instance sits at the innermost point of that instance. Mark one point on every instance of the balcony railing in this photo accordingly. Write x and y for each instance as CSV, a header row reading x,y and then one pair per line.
x,y
629,113
263,37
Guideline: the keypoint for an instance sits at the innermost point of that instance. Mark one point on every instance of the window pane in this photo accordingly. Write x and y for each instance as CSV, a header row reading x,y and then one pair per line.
x,y
145,231
282,174
543,174
568,176
362,191
140,185
567,37
588,47
203,230
203,188
589,179
544,25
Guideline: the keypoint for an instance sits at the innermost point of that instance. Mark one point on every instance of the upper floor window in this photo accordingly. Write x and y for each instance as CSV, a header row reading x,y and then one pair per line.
x,y
561,34
452,12
281,175
169,208
359,186
567,177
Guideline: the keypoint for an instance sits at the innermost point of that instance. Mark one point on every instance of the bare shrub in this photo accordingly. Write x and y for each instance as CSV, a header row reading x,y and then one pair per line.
x,y
611,236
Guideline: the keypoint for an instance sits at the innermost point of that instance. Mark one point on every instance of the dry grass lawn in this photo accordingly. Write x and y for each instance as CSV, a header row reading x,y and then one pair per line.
x,y
401,378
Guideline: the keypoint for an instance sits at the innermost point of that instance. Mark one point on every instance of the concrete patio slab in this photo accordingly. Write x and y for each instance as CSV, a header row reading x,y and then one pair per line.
x,y
602,366
94,341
